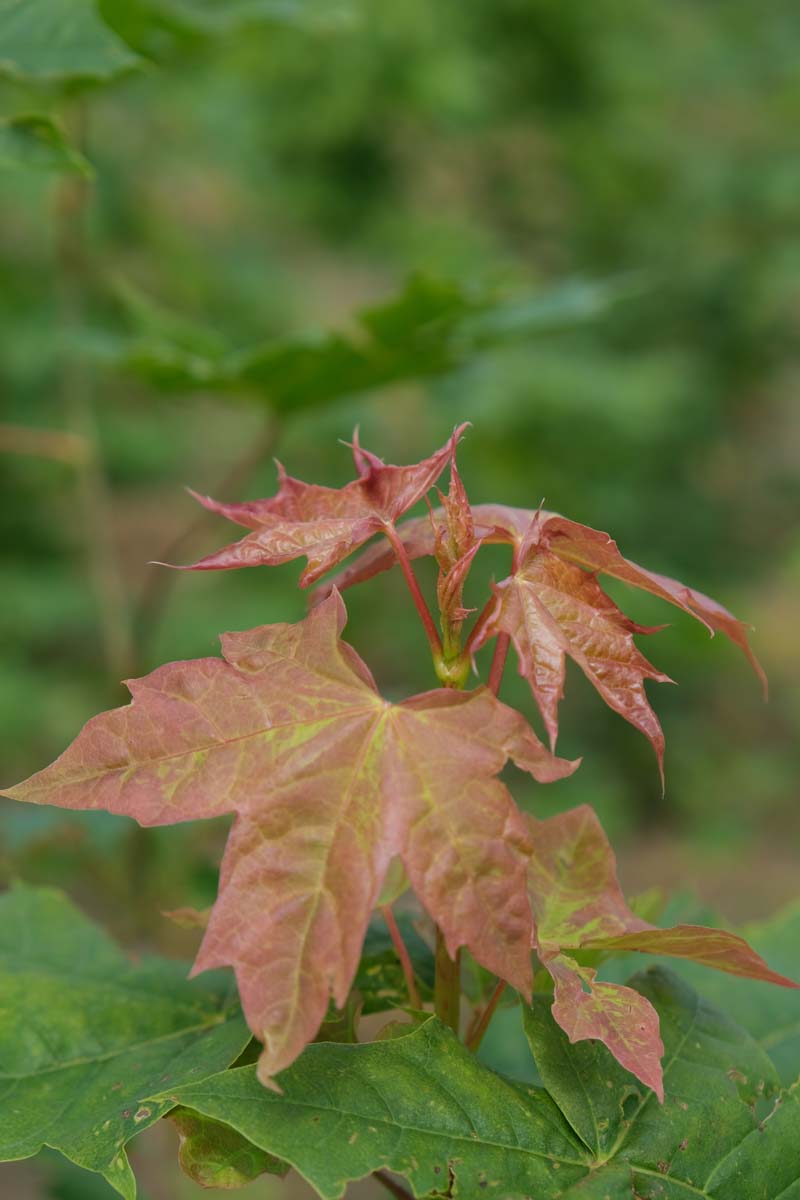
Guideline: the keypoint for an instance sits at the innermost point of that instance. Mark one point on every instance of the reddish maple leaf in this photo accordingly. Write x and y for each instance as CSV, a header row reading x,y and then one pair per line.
x,y
329,782
552,606
578,905
324,524
455,546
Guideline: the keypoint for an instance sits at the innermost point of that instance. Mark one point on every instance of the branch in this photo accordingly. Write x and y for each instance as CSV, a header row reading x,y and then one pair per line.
x,y
72,203
159,583
447,984
60,445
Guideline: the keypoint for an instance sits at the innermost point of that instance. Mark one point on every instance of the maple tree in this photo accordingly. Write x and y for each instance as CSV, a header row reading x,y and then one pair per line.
x,y
342,798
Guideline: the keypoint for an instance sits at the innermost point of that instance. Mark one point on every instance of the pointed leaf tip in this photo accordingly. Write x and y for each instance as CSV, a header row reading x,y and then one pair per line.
x,y
323,524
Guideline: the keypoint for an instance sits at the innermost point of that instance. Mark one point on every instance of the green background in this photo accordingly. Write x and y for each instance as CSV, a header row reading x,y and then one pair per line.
x,y
615,185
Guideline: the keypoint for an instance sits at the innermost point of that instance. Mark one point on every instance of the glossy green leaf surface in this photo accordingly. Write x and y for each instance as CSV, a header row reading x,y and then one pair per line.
x,y
420,1105
85,1037
59,41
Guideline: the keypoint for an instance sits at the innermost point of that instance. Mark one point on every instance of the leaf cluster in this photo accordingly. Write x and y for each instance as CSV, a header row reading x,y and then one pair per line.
x,y
332,784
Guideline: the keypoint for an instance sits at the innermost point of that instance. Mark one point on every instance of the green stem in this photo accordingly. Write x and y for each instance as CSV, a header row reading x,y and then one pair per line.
x,y
447,986
152,603
72,204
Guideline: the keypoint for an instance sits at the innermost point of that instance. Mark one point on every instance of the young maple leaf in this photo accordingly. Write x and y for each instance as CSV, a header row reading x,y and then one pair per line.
x,y
455,546
552,606
329,782
324,524
578,905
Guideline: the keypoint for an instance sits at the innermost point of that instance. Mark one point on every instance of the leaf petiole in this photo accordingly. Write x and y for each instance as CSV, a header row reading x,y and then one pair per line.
x,y
402,953
481,1020
498,662
480,624
414,588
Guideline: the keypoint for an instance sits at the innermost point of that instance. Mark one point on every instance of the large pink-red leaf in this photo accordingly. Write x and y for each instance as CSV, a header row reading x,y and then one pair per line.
x,y
329,783
578,905
324,524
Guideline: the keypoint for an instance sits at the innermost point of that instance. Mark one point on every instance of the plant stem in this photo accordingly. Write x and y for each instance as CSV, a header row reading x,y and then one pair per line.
x,y
498,662
61,446
72,202
447,987
391,1185
402,953
413,587
159,583
481,1023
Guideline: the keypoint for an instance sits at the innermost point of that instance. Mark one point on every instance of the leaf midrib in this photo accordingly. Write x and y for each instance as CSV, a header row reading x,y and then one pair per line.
x,y
374,1120
111,1054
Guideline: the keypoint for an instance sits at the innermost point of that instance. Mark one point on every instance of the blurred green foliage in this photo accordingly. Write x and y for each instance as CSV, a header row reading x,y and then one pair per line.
x,y
577,227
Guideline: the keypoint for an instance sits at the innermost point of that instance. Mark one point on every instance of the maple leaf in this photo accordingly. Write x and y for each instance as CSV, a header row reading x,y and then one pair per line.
x,y
321,523
578,905
454,548
552,606
329,782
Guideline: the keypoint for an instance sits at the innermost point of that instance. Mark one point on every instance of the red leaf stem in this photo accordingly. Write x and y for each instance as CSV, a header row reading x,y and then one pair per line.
x,y
402,953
